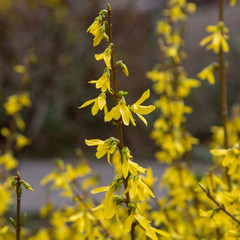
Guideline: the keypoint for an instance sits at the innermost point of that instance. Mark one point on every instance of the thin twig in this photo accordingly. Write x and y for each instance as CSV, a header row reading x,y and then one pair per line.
x,y
221,206
119,122
223,90
19,195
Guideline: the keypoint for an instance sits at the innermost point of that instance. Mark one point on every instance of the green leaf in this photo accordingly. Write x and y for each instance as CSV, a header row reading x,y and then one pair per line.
x,y
23,218
27,185
14,182
12,221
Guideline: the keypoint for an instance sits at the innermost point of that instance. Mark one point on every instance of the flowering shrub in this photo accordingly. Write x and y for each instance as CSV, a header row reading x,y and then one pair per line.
x,y
190,208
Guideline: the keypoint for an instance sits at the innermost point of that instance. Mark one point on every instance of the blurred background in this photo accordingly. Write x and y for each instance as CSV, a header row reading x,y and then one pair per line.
x,y
53,32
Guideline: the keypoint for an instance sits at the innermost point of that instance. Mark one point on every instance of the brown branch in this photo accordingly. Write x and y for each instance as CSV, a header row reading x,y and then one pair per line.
x,y
119,122
223,91
221,206
223,85
19,195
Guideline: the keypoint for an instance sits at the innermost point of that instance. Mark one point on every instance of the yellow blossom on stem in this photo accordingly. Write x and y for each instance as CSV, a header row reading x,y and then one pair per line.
x,y
217,39
123,67
99,35
108,147
94,28
207,73
99,104
138,189
149,179
142,110
128,165
5,131
103,82
120,110
191,8
163,28
22,141
20,69
106,56
16,102
233,3
19,121
8,160
175,13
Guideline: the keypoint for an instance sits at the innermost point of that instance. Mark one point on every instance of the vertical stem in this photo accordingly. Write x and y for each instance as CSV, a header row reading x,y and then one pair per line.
x,y
18,193
223,90
119,122
223,85
113,71
10,137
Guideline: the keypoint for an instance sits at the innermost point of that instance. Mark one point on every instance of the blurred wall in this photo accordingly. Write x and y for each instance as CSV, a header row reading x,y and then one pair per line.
x,y
55,32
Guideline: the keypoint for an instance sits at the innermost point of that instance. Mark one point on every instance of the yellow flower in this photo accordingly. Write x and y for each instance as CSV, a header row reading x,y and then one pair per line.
x,y
142,110
73,173
99,104
191,8
185,85
123,67
22,141
149,178
128,165
8,161
110,204
163,28
128,222
6,197
207,73
175,13
16,102
219,152
12,105
99,35
172,52
4,230
94,28
20,69
233,3
5,132
19,121
229,158
137,188
121,110
217,39
42,234
106,56
108,147
45,210
24,100
103,82
145,224
116,160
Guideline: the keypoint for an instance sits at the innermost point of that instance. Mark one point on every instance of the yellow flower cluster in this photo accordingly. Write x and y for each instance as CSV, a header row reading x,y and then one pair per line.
x,y
217,39
64,175
128,188
172,83
14,140
177,211
122,110
221,187
15,103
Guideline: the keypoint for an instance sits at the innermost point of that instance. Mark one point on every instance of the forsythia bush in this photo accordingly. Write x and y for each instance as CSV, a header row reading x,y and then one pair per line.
x,y
190,208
